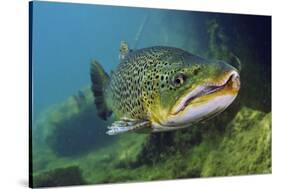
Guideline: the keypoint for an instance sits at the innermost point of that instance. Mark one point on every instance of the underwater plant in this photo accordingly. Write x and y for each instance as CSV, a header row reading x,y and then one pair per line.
x,y
59,177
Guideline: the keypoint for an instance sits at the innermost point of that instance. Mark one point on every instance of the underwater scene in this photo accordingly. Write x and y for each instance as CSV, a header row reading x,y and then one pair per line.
x,y
126,94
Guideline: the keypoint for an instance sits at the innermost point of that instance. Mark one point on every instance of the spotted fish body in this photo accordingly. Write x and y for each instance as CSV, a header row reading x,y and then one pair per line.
x,y
150,89
135,84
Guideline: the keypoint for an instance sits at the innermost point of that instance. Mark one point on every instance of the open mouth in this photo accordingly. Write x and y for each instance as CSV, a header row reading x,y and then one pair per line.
x,y
232,80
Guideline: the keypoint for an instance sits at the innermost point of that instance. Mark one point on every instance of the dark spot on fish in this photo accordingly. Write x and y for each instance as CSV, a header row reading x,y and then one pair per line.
x,y
195,72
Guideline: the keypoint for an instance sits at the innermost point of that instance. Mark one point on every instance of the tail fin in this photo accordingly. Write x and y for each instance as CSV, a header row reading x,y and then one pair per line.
x,y
99,79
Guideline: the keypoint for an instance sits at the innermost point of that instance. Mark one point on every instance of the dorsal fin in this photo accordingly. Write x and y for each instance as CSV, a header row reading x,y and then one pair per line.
x,y
123,50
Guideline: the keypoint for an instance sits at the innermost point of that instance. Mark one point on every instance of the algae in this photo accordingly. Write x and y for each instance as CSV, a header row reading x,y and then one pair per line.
x,y
59,177
245,147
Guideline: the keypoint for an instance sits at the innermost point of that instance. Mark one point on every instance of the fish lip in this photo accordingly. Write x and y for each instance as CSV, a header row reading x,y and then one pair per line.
x,y
206,89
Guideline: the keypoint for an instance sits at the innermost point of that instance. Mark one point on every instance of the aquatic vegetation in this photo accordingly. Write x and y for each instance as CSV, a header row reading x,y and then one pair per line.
x,y
59,177
218,48
251,155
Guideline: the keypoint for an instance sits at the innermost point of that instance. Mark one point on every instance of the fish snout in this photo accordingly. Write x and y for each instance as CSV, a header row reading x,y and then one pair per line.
x,y
231,75
235,81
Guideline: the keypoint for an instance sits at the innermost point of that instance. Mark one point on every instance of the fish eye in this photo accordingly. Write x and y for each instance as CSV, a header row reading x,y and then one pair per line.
x,y
179,79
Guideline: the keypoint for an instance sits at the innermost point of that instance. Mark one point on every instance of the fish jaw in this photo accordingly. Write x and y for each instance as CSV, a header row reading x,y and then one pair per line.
x,y
204,102
195,114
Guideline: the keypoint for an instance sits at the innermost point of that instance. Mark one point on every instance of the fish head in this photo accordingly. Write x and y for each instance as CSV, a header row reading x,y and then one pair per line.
x,y
193,89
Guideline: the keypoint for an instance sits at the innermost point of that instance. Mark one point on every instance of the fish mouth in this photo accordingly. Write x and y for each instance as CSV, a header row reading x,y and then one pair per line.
x,y
231,82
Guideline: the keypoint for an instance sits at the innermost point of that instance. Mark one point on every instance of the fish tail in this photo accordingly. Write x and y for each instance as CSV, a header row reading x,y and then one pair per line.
x,y
100,80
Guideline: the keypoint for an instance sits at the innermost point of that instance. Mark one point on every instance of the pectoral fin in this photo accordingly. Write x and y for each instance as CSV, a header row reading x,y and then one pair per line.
x,y
127,125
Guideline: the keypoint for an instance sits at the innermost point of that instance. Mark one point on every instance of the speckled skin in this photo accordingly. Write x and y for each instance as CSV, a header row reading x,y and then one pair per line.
x,y
143,78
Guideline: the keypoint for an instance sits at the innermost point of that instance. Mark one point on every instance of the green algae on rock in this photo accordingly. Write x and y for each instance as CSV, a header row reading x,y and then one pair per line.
x,y
245,147
59,177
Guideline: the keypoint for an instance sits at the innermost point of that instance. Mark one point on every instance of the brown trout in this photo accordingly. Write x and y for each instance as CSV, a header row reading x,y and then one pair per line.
x,y
162,88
